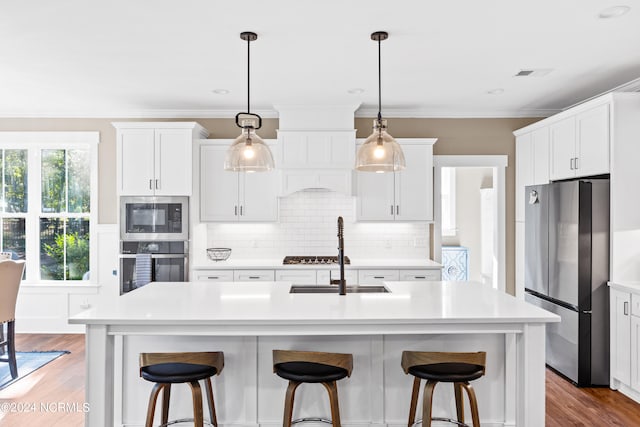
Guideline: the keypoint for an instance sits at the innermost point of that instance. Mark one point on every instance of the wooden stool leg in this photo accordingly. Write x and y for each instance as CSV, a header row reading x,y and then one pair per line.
x,y
11,340
332,389
151,409
288,403
414,401
166,395
457,388
475,416
212,406
427,403
196,393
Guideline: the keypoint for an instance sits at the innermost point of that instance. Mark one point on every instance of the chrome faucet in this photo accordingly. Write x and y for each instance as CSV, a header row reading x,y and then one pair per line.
x,y
342,283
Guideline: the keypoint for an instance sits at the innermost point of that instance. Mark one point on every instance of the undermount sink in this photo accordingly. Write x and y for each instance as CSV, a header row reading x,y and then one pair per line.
x,y
328,289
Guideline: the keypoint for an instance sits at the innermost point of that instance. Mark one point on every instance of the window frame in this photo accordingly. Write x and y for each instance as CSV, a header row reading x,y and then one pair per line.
x,y
34,143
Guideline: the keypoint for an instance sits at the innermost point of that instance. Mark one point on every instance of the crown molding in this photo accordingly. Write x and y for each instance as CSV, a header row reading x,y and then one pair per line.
x,y
424,113
141,114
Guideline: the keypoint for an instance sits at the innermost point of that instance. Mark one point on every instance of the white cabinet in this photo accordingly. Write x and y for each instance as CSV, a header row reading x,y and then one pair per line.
x,y
254,275
323,276
297,277
620,335
413,275
580,144
316,159
519,290
376,277
154,158
214,275
234,196
524,171
399,196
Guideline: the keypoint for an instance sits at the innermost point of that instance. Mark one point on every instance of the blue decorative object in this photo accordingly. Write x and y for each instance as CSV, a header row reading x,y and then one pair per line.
x,y
456,263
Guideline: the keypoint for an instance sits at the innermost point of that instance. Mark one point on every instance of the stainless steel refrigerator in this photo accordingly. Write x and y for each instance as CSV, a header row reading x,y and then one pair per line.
x,y
566,272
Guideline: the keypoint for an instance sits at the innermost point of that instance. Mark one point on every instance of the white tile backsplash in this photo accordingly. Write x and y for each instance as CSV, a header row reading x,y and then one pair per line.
x,y
308,226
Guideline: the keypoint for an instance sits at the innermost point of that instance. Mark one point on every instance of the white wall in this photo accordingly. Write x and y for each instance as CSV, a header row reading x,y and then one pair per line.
x,y
307,226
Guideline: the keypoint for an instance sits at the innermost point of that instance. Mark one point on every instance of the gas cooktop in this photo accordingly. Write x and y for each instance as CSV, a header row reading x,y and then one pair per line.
x,y
313,260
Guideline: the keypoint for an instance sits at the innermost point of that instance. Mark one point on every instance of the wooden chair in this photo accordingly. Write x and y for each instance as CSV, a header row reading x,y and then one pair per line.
x,y
456,368
312,367
165,369
10,278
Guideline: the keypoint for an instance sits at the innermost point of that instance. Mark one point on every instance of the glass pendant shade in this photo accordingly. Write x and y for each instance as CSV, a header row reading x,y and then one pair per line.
x,y
248,153
380,152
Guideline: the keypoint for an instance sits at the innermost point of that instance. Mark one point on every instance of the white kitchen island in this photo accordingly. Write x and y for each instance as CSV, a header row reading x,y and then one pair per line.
x,y
248,320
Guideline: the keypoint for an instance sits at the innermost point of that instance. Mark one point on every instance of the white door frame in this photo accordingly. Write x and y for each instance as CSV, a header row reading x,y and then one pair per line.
x,y
499,165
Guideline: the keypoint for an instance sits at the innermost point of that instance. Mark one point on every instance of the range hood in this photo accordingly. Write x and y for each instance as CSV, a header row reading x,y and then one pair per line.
x,y
317,147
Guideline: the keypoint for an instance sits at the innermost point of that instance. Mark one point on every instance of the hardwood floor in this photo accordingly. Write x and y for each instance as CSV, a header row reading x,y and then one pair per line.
x,y
60,387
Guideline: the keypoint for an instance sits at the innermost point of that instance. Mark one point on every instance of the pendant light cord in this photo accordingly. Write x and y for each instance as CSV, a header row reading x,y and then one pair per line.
x,y
379,82
248,74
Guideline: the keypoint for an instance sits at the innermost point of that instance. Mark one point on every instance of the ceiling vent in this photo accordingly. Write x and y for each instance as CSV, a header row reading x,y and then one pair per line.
x,y
534,72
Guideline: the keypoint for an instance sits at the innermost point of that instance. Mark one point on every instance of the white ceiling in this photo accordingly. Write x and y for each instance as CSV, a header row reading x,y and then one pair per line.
x,y
151,58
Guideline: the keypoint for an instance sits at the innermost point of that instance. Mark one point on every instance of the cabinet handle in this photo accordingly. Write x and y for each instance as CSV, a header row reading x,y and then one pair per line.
x,y
397,209
254,277
213,277
577,166
378,277
626,308
157,183
150,184
391,209
419,277
235,210
571,164
241,211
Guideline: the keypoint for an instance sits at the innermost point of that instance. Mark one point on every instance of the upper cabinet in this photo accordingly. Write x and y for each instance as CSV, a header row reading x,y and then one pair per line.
x,y
316,159
399,196
532,164
154,158
580,144
234,196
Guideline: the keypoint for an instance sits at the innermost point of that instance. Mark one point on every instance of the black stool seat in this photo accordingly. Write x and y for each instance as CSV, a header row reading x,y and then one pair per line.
x,y
448,372
309,372
177,372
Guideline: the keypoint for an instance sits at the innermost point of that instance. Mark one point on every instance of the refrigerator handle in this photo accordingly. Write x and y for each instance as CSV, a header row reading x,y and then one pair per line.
x,y
626,308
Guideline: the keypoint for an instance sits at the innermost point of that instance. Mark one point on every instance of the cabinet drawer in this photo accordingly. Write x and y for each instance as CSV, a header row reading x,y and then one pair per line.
x,y
351,276
214,275
635,305
420,274
298,277
375,277
254,275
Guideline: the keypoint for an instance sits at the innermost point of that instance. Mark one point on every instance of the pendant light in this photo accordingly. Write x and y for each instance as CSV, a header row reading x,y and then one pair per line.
x,y
248,153
380,152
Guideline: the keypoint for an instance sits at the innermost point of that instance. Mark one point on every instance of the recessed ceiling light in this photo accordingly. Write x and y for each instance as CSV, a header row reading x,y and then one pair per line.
x,y
613,12
356,91
497,91
220,91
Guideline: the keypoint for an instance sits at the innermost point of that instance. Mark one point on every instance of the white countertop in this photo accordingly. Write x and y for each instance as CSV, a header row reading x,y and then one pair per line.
x,y
239,264
270,303
626,286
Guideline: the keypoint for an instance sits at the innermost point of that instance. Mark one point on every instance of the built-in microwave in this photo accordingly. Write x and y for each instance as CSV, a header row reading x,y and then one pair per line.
x,y
144,218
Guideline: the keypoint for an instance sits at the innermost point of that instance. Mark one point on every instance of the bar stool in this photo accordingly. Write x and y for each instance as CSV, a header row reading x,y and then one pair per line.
x,y
165,369
456,368
311,367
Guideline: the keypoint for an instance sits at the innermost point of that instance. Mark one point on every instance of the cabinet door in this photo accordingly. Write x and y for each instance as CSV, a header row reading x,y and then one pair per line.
x,y
258,196
593,141
137,162
414,185
376,277
254,275
519,291
540,151
214,275
173,148
297,277
426,274
375,201
635,353
524,171
218,188
563,149
620,336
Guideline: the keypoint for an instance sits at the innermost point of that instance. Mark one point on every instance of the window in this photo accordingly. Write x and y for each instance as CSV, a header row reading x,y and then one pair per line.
x,y
448,195
48,198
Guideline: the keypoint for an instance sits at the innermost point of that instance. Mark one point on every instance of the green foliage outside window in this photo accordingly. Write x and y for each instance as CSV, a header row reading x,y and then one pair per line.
x,y
77,256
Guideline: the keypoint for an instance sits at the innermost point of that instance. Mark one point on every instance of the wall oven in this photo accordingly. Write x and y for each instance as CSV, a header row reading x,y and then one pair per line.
x,y
146,218
152,261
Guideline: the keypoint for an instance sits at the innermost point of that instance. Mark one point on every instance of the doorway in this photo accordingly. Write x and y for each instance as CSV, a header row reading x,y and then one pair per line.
x,y
469,218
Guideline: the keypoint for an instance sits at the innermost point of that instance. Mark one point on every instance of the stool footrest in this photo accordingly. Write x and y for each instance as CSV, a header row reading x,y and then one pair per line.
x,y
184,420
310,419
448,420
